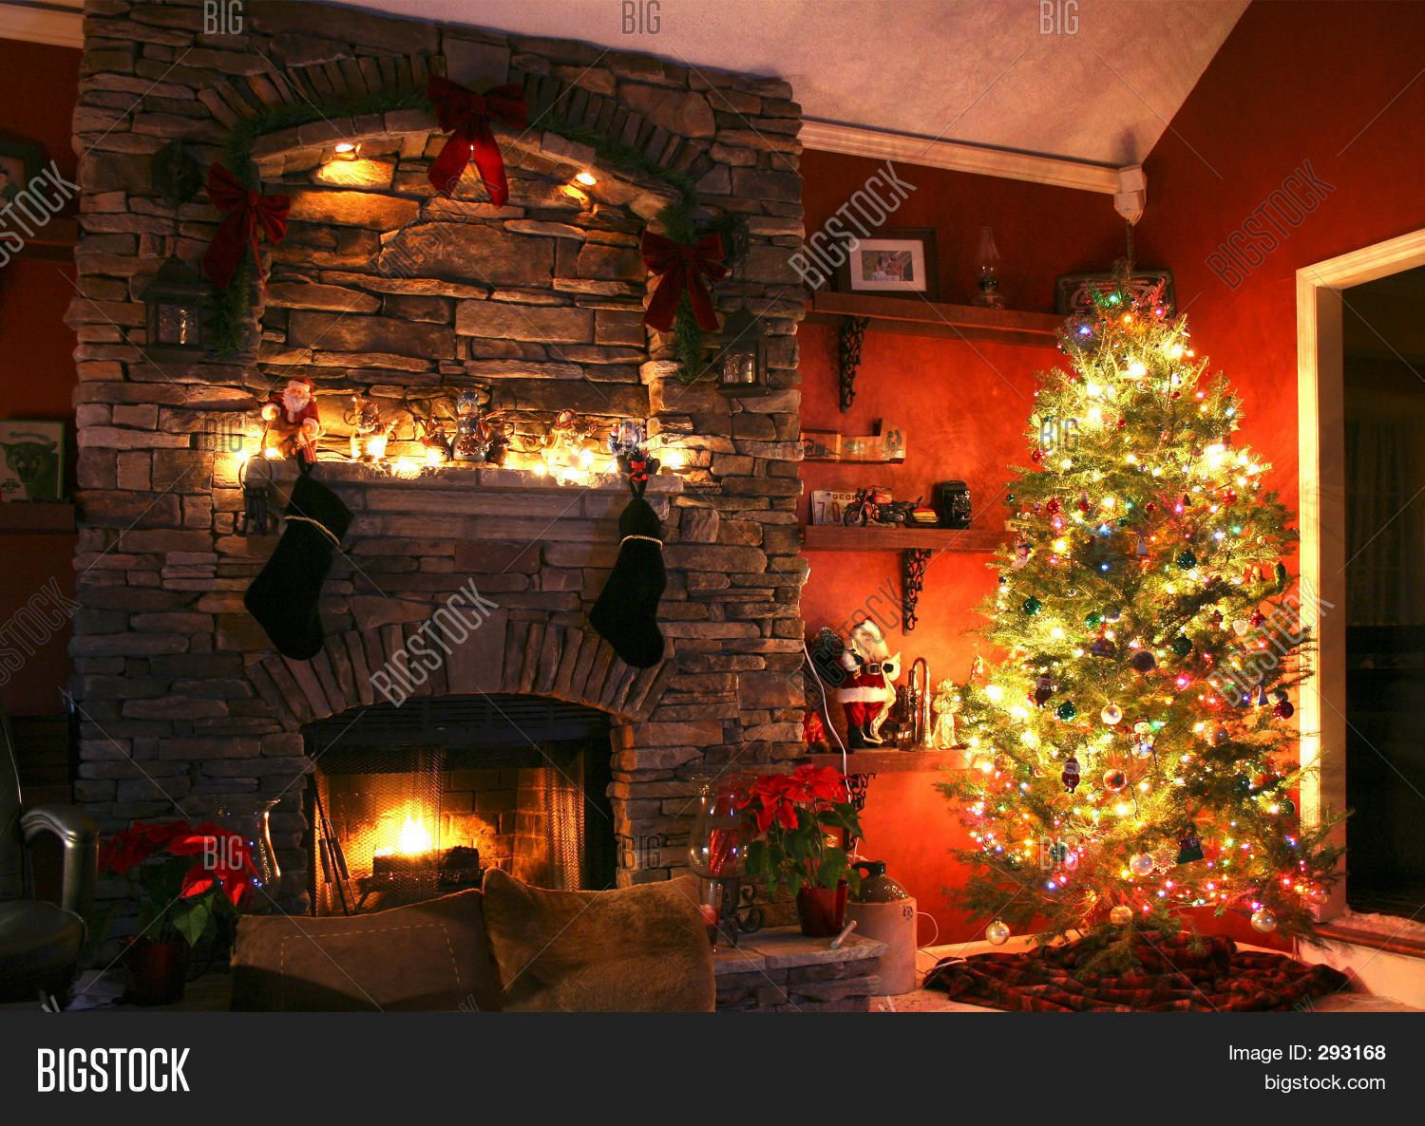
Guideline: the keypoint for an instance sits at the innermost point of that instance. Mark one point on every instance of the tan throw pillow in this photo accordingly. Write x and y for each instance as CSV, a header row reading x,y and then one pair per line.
x,y
630,950
431,956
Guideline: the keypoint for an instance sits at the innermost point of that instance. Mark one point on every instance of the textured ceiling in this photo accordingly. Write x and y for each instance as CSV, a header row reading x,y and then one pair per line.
x,y
978,71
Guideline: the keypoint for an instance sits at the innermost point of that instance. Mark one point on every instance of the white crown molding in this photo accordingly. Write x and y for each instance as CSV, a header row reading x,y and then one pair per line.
x,y
64,27
42,23
856,140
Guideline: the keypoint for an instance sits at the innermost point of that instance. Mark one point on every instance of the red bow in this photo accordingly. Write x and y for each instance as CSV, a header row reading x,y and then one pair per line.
x,y
245,213
683,268
466,116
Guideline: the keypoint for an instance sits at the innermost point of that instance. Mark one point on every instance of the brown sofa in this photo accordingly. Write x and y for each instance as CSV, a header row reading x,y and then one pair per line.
x,y
508,947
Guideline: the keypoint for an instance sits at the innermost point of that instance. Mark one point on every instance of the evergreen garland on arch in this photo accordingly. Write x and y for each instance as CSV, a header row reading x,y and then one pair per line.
x,y
228,325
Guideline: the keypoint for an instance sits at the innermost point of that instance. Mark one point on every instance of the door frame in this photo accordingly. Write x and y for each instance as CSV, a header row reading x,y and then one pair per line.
x,y
1321,443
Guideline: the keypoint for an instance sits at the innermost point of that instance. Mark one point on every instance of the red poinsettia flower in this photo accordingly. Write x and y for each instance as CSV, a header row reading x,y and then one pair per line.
x,y
227,861
126,850
825,783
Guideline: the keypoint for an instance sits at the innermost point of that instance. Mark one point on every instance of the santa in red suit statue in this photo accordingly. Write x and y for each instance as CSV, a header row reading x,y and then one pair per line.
x,y
293,423
868,691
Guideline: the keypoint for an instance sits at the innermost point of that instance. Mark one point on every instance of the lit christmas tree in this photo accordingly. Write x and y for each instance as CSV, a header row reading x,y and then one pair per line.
x,y
1131,750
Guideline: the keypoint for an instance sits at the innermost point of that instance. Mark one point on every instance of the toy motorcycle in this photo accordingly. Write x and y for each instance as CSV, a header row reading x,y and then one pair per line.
x,y
875,506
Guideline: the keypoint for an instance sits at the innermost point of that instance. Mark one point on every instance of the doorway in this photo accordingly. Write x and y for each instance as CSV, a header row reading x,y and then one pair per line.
x,y
1362,517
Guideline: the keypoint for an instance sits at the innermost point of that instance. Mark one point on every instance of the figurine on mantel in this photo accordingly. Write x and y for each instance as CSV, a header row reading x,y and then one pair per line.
x,y
944,703
293,421
369,435
868,691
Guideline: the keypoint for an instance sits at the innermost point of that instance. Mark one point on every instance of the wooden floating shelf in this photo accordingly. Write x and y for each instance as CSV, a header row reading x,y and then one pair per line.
x,y
36,518
914,317
839,537
54,242
893,761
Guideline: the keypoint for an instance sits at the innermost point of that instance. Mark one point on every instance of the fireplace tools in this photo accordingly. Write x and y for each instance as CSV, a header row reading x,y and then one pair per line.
x,y
333,860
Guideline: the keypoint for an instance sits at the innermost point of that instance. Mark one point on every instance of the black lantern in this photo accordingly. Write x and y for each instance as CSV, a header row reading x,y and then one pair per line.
x,y
177,304
741,364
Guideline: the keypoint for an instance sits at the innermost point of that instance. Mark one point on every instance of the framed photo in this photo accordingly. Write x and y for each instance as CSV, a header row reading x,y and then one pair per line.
x,y
1074,293
31,460
20,162
894,262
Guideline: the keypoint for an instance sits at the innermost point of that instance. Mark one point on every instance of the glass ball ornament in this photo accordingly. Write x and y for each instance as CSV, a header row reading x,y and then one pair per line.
x,y
1140,864
997,933
1121,916
1114,780
1066,711
1143,660
1112,714
1031,605
1264,921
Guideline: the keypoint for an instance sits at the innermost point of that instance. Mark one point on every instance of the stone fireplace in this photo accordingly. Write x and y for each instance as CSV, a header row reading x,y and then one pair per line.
x,y
383,288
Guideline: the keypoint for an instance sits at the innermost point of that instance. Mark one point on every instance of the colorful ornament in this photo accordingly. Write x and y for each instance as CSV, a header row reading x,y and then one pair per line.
x,y
997,933
1187,560
1121,916
1112,714
1141,864
1114,780
1102,647
1070,775
1031,605
1264,920
1182,645
1189,847
1093,620
1143,660
1066,711
1283,708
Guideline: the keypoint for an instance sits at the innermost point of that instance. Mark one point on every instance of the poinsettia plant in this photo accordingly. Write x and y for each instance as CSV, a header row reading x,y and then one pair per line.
x,y
187,874
798,822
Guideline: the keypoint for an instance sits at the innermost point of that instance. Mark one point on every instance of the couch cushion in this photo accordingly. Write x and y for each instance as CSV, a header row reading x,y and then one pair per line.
x,y
637,949
430,956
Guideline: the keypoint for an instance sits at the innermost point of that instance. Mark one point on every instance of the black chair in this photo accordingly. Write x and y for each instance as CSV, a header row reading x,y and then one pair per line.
x,y
39,941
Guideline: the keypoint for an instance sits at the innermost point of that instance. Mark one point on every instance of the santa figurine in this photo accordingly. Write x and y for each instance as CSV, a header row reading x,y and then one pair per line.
x,y
868,691
293,422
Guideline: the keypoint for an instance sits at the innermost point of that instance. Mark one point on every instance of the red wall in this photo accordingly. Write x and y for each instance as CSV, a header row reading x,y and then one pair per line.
x,y
39,84
965,408
1335,84
1330,83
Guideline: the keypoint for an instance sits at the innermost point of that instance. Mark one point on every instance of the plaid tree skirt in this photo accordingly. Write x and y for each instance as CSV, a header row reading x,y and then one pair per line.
x,y
1171,977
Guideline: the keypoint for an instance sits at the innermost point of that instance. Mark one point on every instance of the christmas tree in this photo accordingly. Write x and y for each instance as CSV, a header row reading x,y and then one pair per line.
x,y
1131,751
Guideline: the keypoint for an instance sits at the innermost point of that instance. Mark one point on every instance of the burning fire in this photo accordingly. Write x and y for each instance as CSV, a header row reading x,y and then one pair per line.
x,y
413,839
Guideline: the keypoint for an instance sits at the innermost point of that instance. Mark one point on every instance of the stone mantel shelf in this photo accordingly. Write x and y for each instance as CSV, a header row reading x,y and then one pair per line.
x,y
340,473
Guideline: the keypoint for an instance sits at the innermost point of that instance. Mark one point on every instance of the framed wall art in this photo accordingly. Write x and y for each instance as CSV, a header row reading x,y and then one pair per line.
x,y
894,262
31,460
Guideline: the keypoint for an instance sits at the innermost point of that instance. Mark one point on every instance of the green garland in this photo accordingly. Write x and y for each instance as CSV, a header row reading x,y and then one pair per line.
x,y
228,325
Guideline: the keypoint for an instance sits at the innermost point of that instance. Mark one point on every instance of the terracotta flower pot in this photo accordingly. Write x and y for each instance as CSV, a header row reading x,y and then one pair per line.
x,y
822,911
157,972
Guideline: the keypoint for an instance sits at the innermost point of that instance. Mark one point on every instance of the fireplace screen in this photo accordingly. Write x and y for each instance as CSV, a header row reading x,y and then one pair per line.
x,y
396,822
